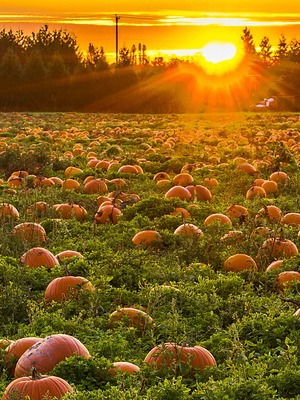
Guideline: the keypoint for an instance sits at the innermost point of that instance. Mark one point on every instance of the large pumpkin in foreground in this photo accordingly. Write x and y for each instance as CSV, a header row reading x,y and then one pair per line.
x,y
37,387
171,354
48,352
39,257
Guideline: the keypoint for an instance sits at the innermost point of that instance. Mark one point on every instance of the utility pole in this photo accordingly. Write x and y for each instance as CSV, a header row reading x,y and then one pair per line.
x,y
117,38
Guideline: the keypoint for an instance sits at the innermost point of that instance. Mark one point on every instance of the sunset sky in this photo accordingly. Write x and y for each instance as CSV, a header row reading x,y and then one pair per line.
x,y
174,27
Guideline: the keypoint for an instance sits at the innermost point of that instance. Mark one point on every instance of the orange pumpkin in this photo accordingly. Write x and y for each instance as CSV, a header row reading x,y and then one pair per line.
x,y
8,210
275,265
255,192
201,193
68,254
161,175
220,218
128,169
270,187
188,229
30,232
248,168
146,237
71,211
71,184
277,248
272,212
131,316
280,177
48,352
39,257
123,366
292,219
211,182
178,191
107,213
181,211
183,179
286,278
239,262
171,354
95,186
15,350
37,387
237,211
66,287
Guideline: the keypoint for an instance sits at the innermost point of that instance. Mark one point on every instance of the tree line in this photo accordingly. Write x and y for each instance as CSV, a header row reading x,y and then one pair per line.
x,y
45,71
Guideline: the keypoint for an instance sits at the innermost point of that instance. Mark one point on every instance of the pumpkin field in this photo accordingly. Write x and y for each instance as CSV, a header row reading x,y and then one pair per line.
x,y
150,257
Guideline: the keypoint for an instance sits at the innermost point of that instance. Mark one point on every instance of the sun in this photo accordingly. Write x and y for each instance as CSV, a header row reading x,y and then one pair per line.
x,y
218,58
216,52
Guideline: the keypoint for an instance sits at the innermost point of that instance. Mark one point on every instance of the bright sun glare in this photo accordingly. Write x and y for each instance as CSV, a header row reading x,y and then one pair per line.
x,y
217,52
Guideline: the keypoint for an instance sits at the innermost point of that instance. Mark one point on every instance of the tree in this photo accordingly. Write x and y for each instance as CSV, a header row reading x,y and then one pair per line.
x,y
281,53
294,51
247,38
96,58
265,52
10,41
124,57
57,44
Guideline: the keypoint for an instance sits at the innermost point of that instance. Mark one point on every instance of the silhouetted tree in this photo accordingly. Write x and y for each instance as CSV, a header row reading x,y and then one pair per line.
x,y
265,52
294,51
10,41
124,57
96,58
281,53
248,42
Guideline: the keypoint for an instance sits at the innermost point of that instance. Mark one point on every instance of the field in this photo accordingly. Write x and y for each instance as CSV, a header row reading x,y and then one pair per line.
x,y
198,190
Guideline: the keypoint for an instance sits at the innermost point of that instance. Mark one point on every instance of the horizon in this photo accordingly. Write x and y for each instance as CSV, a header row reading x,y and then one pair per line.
x,y
180,32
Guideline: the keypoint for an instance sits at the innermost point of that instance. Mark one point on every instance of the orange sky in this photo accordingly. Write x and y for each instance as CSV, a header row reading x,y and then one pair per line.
x,y
160,24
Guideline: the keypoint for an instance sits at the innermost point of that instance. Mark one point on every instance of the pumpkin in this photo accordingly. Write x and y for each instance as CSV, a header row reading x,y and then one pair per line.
x,y
37,387
178,191
248,168
95,186
30,232
218,217
211,182
280,177
66,287
236,211
123,366
271,212
128,169
117,183
233,237
39,208
270,187
188,229
161,175
39,257
255,192
14,351
292,219
201,193
102,164
57,181
8,210
68,254
71,211
146,237
132,317
107,213
275,265
71,184
182,179
286,278
278,248
171,354
181,211
239,262
48,352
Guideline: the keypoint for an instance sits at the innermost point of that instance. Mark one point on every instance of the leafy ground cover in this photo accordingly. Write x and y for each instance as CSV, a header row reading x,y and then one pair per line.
x,y
243,315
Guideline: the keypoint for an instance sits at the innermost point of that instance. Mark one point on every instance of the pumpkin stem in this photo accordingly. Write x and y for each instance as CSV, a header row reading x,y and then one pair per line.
x,y
35,375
